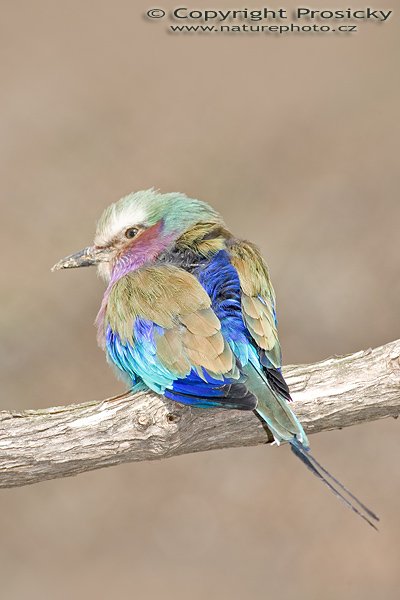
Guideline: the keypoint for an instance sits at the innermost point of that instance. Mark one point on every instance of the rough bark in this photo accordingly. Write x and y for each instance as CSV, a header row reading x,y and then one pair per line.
x,y
58,442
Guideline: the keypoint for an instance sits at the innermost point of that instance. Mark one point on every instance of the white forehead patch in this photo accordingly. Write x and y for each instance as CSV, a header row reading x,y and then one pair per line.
x,y
116,219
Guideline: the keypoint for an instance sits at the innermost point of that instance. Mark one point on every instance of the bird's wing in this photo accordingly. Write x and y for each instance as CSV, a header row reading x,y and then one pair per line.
x,y
238,284
258,300
265,378
160,327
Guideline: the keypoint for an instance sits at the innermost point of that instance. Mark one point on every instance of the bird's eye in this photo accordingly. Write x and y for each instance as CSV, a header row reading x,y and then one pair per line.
x,y
131,232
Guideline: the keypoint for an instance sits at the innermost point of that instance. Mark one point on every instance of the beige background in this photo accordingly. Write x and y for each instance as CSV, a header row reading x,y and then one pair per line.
x,y
296,140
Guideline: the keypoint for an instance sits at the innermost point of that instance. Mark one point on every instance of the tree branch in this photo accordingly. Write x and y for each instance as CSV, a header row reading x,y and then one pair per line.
x,y
58,442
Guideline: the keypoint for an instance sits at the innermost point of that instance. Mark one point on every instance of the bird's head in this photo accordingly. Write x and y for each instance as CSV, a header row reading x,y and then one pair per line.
x,y
137,228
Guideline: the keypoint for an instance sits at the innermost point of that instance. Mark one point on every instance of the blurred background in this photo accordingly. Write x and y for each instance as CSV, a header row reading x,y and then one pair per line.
x,y
295,139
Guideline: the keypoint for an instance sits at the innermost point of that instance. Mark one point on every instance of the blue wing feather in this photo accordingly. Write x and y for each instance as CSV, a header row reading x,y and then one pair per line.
x,y
221,281
140,361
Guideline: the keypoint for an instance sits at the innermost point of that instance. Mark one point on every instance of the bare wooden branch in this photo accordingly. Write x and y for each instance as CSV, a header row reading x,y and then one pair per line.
x,y
58,442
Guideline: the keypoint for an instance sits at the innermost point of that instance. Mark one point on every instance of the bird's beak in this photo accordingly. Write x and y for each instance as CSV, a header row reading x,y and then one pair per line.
x,y
84,258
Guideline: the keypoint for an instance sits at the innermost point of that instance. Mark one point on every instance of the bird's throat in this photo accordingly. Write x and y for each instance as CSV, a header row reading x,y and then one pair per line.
x,y
144,250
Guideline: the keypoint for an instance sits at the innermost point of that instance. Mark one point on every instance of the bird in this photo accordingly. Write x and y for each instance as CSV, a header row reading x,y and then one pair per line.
x,y
189,312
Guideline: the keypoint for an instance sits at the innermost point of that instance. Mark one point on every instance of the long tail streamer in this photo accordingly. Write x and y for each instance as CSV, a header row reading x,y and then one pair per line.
x,y
333,484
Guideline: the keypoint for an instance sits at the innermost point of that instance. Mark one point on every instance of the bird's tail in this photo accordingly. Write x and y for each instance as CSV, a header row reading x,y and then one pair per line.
x,y
273,408
337,488
285,427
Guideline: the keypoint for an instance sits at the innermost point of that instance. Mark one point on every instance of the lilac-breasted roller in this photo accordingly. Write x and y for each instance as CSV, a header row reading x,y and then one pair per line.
x,y
189,313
